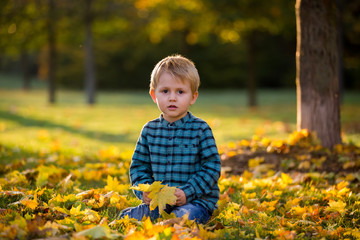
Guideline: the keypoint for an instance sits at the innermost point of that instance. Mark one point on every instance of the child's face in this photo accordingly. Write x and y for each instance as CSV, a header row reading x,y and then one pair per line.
x,y
173,97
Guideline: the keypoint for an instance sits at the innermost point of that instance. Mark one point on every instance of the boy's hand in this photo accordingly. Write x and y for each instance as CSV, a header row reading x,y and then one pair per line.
x,y
146,199
181,197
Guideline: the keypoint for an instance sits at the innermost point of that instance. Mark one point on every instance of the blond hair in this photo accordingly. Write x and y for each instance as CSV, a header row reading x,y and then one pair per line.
x,y
180,68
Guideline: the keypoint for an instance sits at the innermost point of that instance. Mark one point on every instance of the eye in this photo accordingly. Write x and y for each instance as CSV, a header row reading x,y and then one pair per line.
x,y
180,91
165,91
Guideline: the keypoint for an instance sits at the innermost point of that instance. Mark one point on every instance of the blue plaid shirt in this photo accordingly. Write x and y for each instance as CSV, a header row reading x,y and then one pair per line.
x,y
181,154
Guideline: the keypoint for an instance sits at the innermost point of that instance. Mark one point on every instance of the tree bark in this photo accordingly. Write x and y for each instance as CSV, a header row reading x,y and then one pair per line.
x,y
52,51
317,76
90,79
339,24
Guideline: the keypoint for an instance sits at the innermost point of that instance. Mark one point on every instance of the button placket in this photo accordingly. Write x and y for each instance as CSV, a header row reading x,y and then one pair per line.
x,y
170,151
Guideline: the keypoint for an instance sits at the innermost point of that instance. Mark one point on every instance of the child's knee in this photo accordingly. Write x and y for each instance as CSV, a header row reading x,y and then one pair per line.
x,y
194,212
138,212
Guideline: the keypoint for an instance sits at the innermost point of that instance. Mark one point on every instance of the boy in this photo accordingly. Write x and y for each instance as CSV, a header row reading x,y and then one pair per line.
x,y
177,148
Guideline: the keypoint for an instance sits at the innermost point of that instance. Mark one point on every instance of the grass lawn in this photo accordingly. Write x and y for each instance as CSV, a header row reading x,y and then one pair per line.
x,y
28,122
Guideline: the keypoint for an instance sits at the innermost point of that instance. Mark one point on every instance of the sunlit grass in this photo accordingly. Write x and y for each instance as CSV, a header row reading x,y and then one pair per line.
x,y
71,126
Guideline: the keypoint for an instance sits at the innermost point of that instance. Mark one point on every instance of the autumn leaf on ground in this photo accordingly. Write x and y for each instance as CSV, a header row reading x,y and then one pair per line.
x,y
97,232
32,204
45,172
160,194
336,206
114,185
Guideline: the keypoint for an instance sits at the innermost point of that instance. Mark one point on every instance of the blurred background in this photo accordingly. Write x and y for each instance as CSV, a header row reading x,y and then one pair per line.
x,y
94,58
235,44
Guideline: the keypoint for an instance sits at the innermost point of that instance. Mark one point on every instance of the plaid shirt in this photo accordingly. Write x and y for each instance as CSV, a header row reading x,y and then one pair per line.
x,y
181,154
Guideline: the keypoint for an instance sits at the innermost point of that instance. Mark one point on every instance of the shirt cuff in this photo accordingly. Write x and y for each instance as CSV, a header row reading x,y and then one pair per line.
x,y
189,192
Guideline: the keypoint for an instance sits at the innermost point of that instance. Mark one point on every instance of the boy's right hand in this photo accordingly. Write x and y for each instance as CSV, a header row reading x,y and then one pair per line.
x,y
146,199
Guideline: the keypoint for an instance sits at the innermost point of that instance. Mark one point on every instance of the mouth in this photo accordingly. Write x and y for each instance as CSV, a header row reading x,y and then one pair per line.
x,y
172,107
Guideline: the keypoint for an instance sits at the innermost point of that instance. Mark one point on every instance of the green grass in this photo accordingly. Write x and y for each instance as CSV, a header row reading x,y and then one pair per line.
x,y
29,123
13,81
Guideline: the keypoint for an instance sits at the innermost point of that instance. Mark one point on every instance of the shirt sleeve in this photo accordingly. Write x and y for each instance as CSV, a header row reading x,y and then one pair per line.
x,y
140,168
202,183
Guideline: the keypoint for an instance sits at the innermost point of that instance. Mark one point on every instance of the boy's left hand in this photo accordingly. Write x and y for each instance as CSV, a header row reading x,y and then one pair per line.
x,y
180,197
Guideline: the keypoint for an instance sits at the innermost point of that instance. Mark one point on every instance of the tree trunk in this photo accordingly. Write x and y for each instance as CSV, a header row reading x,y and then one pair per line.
x,y
90,79
317,76
339,24
25,70
251,78
52,51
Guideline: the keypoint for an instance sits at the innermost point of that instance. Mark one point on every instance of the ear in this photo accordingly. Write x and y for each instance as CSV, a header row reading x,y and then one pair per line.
x,y
195,96
152,94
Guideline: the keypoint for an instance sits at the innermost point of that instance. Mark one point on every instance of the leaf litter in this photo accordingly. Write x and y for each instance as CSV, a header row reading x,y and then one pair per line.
x,y
269,189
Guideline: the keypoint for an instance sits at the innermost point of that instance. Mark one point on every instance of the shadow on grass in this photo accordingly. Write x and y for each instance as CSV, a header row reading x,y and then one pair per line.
x,y
31,122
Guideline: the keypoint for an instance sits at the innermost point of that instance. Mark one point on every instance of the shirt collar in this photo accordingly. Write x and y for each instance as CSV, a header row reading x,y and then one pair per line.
x,y
177,123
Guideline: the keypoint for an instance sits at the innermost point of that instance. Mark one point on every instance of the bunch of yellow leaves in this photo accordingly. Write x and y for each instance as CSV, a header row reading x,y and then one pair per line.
x,y
160,194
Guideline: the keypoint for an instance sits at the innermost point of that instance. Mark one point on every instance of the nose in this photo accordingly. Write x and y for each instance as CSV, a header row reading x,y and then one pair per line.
x,y
172,97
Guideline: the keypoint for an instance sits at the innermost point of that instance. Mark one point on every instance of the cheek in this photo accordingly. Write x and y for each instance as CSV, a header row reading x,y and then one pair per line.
x,y
161,101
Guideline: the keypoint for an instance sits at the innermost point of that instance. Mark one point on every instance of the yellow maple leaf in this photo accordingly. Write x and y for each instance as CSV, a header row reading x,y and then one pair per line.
x,y
94,232
292,203
341,185
76,211
336,206
160,194
112,184
152,229
155,188
96,202
142,187
91,216
134,235
48,174
254,162
163,197
61,210
247,175
204,234
32,204
268,206
286,179
298,211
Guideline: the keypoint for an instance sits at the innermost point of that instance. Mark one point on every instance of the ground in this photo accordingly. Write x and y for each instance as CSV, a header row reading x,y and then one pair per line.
x,y
305,156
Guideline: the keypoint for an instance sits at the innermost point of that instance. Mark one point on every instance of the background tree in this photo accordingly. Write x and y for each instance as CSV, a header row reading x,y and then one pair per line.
x,y
21,35
52,54
252,24
318,70
90,77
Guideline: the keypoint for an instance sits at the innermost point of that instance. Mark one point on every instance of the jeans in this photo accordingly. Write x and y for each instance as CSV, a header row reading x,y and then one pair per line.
x,y
195,211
